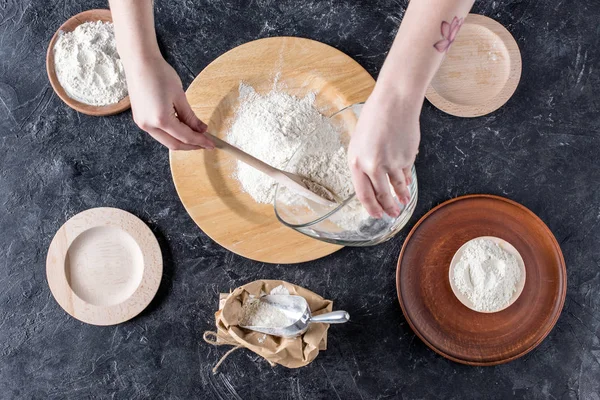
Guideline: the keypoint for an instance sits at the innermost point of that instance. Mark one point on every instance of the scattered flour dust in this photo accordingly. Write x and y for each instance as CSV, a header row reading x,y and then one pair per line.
x,y
88,66
487,274
281,290
272,127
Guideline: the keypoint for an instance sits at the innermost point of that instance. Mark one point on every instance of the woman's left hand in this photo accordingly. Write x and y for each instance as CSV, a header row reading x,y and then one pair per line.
x,y
382,151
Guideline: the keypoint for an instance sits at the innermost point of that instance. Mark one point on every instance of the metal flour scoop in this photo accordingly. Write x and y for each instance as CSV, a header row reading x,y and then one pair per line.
x,y
297,311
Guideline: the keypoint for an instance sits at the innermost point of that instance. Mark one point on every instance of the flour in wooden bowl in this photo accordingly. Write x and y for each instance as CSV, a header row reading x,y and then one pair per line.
x,y
88,66
487,275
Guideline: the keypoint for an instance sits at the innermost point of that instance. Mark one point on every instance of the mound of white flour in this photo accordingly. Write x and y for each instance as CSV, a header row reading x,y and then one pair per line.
x,y
88,66
487,274
272,128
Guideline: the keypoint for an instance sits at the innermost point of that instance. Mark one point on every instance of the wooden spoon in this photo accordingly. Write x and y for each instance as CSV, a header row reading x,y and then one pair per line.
x,y
303,186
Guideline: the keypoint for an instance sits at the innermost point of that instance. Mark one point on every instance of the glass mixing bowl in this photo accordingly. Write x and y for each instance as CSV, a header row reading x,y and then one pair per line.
x,y
345,223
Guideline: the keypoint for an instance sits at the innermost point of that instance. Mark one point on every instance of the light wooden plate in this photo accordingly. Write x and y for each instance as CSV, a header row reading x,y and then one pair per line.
x,y
204,179
69,26
104,266
480,72
437,316
504,245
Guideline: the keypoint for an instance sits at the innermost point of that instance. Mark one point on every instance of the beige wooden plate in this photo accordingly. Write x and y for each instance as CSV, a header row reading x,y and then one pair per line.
x,y
504,245
480,72
70,25
104,266
204,179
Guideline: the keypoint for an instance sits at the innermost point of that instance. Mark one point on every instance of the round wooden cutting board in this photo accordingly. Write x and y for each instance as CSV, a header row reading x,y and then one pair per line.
x,y
204,179
441,320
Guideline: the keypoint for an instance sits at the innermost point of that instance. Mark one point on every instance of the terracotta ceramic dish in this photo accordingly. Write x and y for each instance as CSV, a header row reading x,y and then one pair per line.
x,y
104,266
70,25
205,180
439,318
480,72
504,245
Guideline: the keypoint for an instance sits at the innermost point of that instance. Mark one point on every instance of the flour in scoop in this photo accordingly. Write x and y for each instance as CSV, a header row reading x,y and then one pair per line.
x,y
88,66
266,315
487,274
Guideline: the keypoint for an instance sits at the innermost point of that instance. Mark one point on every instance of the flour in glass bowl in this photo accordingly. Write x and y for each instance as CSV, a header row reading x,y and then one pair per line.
x,y
272,127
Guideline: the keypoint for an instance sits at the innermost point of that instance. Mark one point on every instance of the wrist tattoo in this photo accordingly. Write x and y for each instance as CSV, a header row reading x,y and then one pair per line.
x,y
449,31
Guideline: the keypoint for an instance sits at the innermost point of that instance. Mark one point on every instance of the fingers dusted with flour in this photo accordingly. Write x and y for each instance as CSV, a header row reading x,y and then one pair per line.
x,y
408,176
383,193
365,192
398,180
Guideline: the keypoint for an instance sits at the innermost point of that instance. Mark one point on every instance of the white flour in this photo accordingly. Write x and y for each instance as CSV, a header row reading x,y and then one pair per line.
x,y
272,127
256,313
280,290
88,66
487,274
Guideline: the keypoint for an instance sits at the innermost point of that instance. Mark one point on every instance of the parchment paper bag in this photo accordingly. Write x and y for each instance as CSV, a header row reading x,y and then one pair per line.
x,y
290,352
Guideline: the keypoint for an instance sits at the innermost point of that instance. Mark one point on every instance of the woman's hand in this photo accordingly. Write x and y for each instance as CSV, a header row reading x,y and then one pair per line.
x,y
160,107
384,144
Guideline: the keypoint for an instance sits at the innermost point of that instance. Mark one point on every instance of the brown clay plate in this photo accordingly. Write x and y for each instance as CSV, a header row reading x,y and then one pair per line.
x,y
441,320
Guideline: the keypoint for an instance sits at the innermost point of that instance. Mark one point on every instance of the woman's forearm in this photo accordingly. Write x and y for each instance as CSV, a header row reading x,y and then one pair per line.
x,y
158,102
134,30
420,45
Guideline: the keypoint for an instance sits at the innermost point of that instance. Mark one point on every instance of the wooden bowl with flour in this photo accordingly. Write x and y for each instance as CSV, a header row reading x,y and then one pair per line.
x,y
438,317
69,26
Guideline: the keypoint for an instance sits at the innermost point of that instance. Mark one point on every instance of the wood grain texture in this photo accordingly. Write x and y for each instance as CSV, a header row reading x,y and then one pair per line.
x,y
69,26
204,179
480,72
436,315
104,266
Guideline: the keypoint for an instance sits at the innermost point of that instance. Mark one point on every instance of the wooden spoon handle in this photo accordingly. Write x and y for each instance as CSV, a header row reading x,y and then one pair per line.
x,y
244,157
287,179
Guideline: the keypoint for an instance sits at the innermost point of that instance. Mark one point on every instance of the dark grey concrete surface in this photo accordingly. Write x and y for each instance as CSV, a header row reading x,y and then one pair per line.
x,y
541,149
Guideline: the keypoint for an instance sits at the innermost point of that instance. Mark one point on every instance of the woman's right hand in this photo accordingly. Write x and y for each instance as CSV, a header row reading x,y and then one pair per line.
x,y
160,107
382,150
